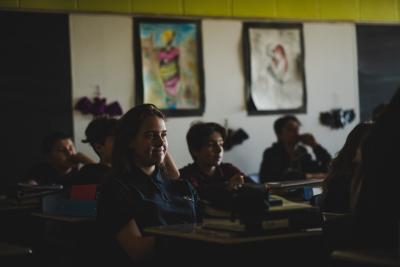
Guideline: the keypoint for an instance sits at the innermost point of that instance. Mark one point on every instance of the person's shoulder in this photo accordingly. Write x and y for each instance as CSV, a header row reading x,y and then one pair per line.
x,y
228,169
187,170
96,167
115,185
94,173
276,147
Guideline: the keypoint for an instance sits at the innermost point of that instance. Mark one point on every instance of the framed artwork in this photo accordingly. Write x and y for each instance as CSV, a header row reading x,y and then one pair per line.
x,y
169,66
274,68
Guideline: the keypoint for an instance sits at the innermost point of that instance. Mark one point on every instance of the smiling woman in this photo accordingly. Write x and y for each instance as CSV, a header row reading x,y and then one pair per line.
x,y
140,192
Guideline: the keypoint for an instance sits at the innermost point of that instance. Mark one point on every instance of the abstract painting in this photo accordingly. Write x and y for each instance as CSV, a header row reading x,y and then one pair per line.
x,y
168,63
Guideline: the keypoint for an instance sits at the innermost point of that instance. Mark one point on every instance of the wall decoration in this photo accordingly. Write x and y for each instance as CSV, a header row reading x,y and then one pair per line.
x,y
98,107
168,63
274,66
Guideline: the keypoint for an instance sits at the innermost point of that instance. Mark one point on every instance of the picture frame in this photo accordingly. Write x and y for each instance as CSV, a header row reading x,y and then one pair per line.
x,y
274,68
169,65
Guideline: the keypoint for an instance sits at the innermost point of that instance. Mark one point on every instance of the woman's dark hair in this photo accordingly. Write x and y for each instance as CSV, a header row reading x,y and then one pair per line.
x,y
198,135
343,164
128,127
98,130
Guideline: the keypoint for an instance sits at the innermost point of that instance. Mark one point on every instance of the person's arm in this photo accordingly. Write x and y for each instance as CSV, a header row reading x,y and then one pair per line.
x,y
170,167
323,158
80,158
139,248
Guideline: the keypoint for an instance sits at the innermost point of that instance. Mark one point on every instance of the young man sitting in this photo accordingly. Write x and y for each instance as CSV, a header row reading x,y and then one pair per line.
x,y
62,162
214,181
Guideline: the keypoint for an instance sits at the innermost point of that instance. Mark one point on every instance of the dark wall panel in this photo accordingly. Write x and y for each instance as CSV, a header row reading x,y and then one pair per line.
x,y
378,65
35,86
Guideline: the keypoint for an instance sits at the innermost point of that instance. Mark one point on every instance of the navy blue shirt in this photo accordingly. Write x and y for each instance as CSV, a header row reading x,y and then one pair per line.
x,y
149,200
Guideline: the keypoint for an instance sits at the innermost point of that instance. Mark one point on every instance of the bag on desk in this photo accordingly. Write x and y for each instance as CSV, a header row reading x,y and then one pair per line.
x,y
250,206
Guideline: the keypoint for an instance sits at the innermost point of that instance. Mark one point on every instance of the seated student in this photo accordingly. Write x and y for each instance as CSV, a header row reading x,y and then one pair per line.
x,y
377,209
288,159
62,161
214,181
342,181
139,193
100,134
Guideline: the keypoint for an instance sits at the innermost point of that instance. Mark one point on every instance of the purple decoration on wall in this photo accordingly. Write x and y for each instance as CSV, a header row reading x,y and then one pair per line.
x,y
98,107
84,105
114,109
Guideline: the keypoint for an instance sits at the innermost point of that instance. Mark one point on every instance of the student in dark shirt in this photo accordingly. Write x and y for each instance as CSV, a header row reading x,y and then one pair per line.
x,y
288,159
140,193
62,161
100,135
215,181
343,180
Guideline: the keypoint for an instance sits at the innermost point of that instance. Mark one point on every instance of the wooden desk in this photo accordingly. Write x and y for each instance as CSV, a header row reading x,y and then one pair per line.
x,y
310,182
10,250
63,218
202,232
366,257
290,214
196,243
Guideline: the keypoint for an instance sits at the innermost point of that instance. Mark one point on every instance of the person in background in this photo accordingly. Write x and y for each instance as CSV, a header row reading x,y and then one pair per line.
x,y
343,180
62,162
214,181
140,192
100,134
288,159
377,208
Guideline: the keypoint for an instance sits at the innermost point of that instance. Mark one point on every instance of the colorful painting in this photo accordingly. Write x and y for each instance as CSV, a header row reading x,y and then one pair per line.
x,y
274,68
169,65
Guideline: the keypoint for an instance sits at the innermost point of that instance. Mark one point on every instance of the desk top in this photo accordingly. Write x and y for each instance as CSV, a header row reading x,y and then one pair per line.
x,y
312,182
63,218
13,250
370,257
201,232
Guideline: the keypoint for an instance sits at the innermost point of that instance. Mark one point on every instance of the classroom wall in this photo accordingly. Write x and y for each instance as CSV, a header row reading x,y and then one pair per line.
x,y
350,10
101,54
